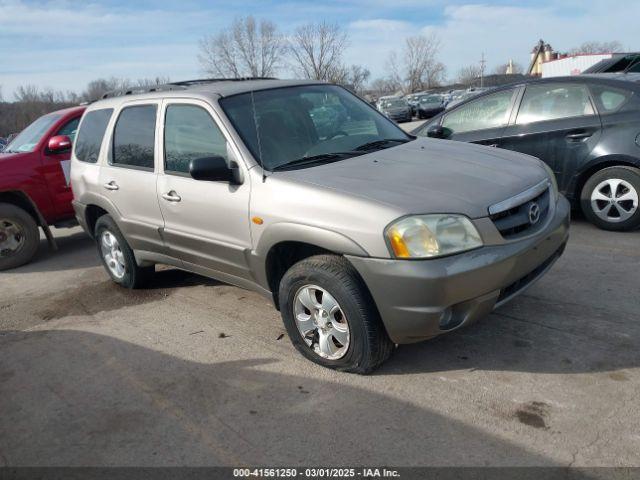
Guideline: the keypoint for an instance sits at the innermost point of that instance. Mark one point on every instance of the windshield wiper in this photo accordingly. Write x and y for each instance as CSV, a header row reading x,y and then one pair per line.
x,y
381,143
314,159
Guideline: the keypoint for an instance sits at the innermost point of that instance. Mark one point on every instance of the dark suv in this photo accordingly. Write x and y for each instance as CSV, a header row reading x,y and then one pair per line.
x,y
586,128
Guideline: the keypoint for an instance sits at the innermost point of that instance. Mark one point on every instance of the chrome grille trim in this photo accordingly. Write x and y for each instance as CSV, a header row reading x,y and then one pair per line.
x,y
521,198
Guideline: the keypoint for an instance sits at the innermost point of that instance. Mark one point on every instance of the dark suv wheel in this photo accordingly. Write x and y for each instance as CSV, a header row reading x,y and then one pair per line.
x,y
117,257
609,199
330,316
19,236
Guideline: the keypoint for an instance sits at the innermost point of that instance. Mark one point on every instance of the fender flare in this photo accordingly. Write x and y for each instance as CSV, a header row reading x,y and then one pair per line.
x,y
295,232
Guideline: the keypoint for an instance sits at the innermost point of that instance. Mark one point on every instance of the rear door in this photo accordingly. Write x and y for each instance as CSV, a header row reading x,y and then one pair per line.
x,y
483,120
128,179
557,123
206,223
56,167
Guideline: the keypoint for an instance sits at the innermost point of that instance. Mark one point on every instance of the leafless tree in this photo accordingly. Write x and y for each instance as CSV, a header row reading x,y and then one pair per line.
x,y
385,86
502,69
316,50
468,75
597,47
418,66
246,49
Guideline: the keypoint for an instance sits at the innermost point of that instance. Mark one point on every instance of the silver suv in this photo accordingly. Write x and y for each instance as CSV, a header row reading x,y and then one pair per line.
x,y
362,235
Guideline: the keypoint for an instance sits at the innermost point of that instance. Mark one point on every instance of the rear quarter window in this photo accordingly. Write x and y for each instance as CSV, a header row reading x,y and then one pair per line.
x,y
89,138
610,99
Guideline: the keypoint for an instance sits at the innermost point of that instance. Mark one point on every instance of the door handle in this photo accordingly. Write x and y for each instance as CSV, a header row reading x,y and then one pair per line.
x,y
577,136
171,196
112,185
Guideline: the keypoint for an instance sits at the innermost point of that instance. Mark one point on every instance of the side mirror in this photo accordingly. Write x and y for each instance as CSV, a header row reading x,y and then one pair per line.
x,y
437,131
59,144
214,169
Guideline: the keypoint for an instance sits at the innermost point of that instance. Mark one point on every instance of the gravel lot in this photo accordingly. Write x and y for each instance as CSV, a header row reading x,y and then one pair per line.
x,y
194,372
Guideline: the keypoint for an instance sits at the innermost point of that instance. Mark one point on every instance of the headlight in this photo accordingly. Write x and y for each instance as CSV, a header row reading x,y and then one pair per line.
x,y
429,236
552,178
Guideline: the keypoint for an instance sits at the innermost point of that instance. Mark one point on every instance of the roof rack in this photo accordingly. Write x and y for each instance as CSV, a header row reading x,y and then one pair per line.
x,y
182,85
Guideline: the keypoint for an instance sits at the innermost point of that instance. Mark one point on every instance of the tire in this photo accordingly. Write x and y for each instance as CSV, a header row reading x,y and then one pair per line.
x,y
130,275
19,236
368,344
621,215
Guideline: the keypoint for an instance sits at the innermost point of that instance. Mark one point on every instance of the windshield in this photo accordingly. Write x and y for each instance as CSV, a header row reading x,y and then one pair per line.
x,y
28,139
282,125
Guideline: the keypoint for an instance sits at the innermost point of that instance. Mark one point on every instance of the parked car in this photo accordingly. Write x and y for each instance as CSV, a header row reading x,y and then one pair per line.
x,y
430,105
231,179
396,109
34,185
586,128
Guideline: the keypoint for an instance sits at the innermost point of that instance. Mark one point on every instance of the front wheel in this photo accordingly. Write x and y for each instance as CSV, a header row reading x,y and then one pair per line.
x,y
117,257
19,236
609,199
330,316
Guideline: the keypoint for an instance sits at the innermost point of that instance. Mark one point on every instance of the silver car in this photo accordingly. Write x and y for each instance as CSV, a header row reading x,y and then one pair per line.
x,y
362,235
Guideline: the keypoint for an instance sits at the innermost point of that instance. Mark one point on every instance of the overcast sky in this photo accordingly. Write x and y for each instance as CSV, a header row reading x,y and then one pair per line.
x,y
64,44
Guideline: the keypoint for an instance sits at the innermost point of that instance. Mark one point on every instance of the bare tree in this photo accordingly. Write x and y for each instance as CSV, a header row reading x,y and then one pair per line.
x,y
246,49
358,76
468,75
316,50
385,86
597,47
418,67
502,69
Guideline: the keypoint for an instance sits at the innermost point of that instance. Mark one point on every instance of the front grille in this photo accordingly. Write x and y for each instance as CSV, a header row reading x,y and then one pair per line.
x,y
516,221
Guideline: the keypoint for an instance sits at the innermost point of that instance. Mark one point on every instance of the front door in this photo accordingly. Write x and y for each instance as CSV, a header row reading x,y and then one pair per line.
x,y
128,180
206,223
56,167
558,124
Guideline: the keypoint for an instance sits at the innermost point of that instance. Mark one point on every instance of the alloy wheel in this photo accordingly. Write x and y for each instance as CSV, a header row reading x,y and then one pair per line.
x,y
112,254
614,200
321,322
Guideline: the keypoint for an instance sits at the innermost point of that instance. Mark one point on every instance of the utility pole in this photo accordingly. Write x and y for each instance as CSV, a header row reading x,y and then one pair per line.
x,y
483,63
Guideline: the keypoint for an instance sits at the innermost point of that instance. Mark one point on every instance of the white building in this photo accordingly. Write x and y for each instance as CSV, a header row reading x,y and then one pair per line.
x,y
570,65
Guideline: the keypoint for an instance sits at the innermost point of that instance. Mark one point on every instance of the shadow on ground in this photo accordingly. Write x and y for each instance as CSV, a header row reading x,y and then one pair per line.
x,y
76,398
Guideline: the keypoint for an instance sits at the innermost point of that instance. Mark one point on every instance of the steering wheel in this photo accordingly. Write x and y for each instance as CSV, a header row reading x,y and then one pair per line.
x,y
336,133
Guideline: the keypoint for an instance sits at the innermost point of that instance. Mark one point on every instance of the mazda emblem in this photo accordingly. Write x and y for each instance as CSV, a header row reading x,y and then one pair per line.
x,y
534,213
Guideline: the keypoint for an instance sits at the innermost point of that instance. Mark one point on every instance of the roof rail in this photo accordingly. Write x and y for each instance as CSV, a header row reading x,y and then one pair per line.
x,y
182,85
188,83
149,89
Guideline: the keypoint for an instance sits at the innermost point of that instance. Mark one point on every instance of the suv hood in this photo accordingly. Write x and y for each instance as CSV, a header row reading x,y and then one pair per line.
x,y
430,176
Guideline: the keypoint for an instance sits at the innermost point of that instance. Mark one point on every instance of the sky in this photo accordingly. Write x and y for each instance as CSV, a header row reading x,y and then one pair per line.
x,y
64,44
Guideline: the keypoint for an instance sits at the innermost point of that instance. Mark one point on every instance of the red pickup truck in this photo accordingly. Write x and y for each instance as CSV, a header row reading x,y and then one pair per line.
x,y
34,185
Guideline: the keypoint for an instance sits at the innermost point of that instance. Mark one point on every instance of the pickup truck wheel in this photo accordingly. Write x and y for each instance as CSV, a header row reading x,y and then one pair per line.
x,y
19,236
609,199
117,257
330,316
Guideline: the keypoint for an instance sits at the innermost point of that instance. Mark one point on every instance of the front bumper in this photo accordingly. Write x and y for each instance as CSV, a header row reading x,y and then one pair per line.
x,y
420,299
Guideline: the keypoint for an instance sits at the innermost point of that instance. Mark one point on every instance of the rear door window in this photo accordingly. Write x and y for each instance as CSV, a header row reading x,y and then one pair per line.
x,y
89,139
134,137
554,101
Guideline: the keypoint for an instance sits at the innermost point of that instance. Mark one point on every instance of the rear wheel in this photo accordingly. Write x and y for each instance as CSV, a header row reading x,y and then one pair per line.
x,y
609,199
330,316
117,257
19,236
